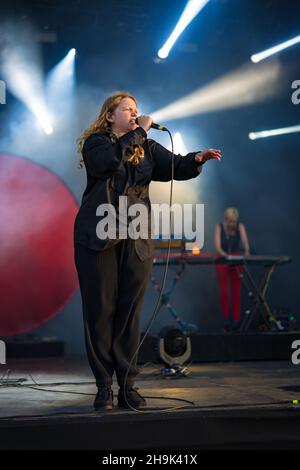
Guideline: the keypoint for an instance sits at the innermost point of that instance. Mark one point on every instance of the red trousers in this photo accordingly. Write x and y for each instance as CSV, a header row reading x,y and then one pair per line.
x,y
229,282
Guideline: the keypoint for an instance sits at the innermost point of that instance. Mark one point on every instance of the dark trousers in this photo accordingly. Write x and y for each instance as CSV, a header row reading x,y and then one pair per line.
x,y
113,283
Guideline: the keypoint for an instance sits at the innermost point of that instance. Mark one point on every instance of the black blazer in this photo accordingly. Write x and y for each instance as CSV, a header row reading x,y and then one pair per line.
x,y
109,176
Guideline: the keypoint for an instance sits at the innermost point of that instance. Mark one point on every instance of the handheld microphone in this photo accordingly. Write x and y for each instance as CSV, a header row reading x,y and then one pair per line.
x,y
154,126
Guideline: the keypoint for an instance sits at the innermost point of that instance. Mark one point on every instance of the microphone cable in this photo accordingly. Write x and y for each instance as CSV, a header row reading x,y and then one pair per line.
x,y
155,312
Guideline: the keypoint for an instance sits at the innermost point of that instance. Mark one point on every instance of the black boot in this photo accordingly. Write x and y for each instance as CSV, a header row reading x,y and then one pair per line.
x,y
104,399
133,398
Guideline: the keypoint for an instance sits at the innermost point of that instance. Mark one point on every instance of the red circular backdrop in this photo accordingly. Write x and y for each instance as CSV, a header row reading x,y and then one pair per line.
x,y
37,271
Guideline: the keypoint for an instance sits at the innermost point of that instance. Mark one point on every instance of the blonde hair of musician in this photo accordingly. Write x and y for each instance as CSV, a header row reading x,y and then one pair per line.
x,y
231,212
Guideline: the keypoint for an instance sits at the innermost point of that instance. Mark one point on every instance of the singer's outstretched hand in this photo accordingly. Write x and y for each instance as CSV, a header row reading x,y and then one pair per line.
x,y
208,154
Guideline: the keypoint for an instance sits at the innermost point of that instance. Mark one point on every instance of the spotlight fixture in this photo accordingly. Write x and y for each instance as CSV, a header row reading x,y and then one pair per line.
x,y
174,346
48,129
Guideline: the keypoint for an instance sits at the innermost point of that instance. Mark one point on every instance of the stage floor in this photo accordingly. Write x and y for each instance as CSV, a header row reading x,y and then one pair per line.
x,y
236,405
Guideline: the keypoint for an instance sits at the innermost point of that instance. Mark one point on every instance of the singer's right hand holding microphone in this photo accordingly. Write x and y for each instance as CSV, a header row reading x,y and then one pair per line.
x,y
145,122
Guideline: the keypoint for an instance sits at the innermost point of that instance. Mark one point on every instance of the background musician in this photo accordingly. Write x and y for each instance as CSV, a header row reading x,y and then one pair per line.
x,y
228,238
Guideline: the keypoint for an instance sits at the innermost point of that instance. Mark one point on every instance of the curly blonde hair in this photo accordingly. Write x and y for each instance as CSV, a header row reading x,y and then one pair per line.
x,y
101,125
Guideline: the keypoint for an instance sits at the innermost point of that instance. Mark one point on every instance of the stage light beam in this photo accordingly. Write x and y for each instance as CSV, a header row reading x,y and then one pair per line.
x,y
273,50
179,145
48,130
245,86
22,71
191,10
72,52
60,84
273,132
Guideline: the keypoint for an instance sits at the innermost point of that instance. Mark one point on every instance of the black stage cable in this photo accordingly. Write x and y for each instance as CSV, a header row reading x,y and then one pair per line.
x,y
288,403
155,312
232,406
38,386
